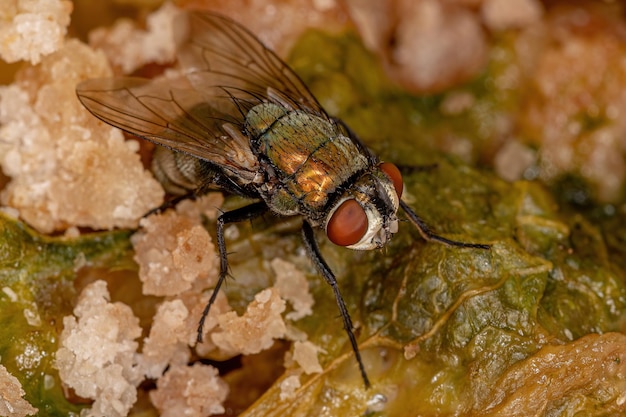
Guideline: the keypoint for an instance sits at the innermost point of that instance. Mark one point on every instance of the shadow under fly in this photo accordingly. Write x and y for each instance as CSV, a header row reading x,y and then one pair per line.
x,y
240,120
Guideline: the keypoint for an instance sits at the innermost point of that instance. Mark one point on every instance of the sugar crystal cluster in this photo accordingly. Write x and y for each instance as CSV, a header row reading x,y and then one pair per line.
x,y
30,29
66,167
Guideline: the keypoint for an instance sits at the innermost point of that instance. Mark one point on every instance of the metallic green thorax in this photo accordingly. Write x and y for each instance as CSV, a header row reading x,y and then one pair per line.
x,y
309,156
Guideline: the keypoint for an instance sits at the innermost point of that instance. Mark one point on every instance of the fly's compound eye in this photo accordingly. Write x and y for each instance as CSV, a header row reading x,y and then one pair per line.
x,y
394,175
348,224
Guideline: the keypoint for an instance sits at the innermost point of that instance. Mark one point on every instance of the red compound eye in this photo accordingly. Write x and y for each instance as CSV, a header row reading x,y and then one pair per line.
x,y
394,175
348,224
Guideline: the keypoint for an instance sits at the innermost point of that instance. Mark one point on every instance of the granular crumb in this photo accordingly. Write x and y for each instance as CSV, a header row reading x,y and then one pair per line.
x,y
305,355
289,386
190,391
167,343
32,29
513,160
66,167
436,45
426,45
32,315
97,354
256,329
507,14
174,254
11,392
574,101
129,47
206,205
295,17
8,291
293,287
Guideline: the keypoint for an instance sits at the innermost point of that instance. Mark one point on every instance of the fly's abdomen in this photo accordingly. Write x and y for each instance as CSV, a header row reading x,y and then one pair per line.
x,y
178,172
310,156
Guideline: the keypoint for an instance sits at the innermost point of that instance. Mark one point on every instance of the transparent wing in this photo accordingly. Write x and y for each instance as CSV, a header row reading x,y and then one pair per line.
x,y
227,72
172,114
224,61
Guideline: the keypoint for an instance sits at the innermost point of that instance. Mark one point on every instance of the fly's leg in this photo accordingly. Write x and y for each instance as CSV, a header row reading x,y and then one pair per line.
x,y
234,216
171,203
314,252
422,227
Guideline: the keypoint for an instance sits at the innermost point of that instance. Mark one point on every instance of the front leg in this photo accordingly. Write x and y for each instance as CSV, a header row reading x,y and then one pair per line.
x,y
171,203
234,216
308,237
428,235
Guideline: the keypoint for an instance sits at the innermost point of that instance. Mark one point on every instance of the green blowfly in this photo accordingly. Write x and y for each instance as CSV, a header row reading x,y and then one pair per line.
x,y
239,119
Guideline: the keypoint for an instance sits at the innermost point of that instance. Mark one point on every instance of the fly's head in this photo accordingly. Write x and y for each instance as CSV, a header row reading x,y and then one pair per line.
x,y
364,217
